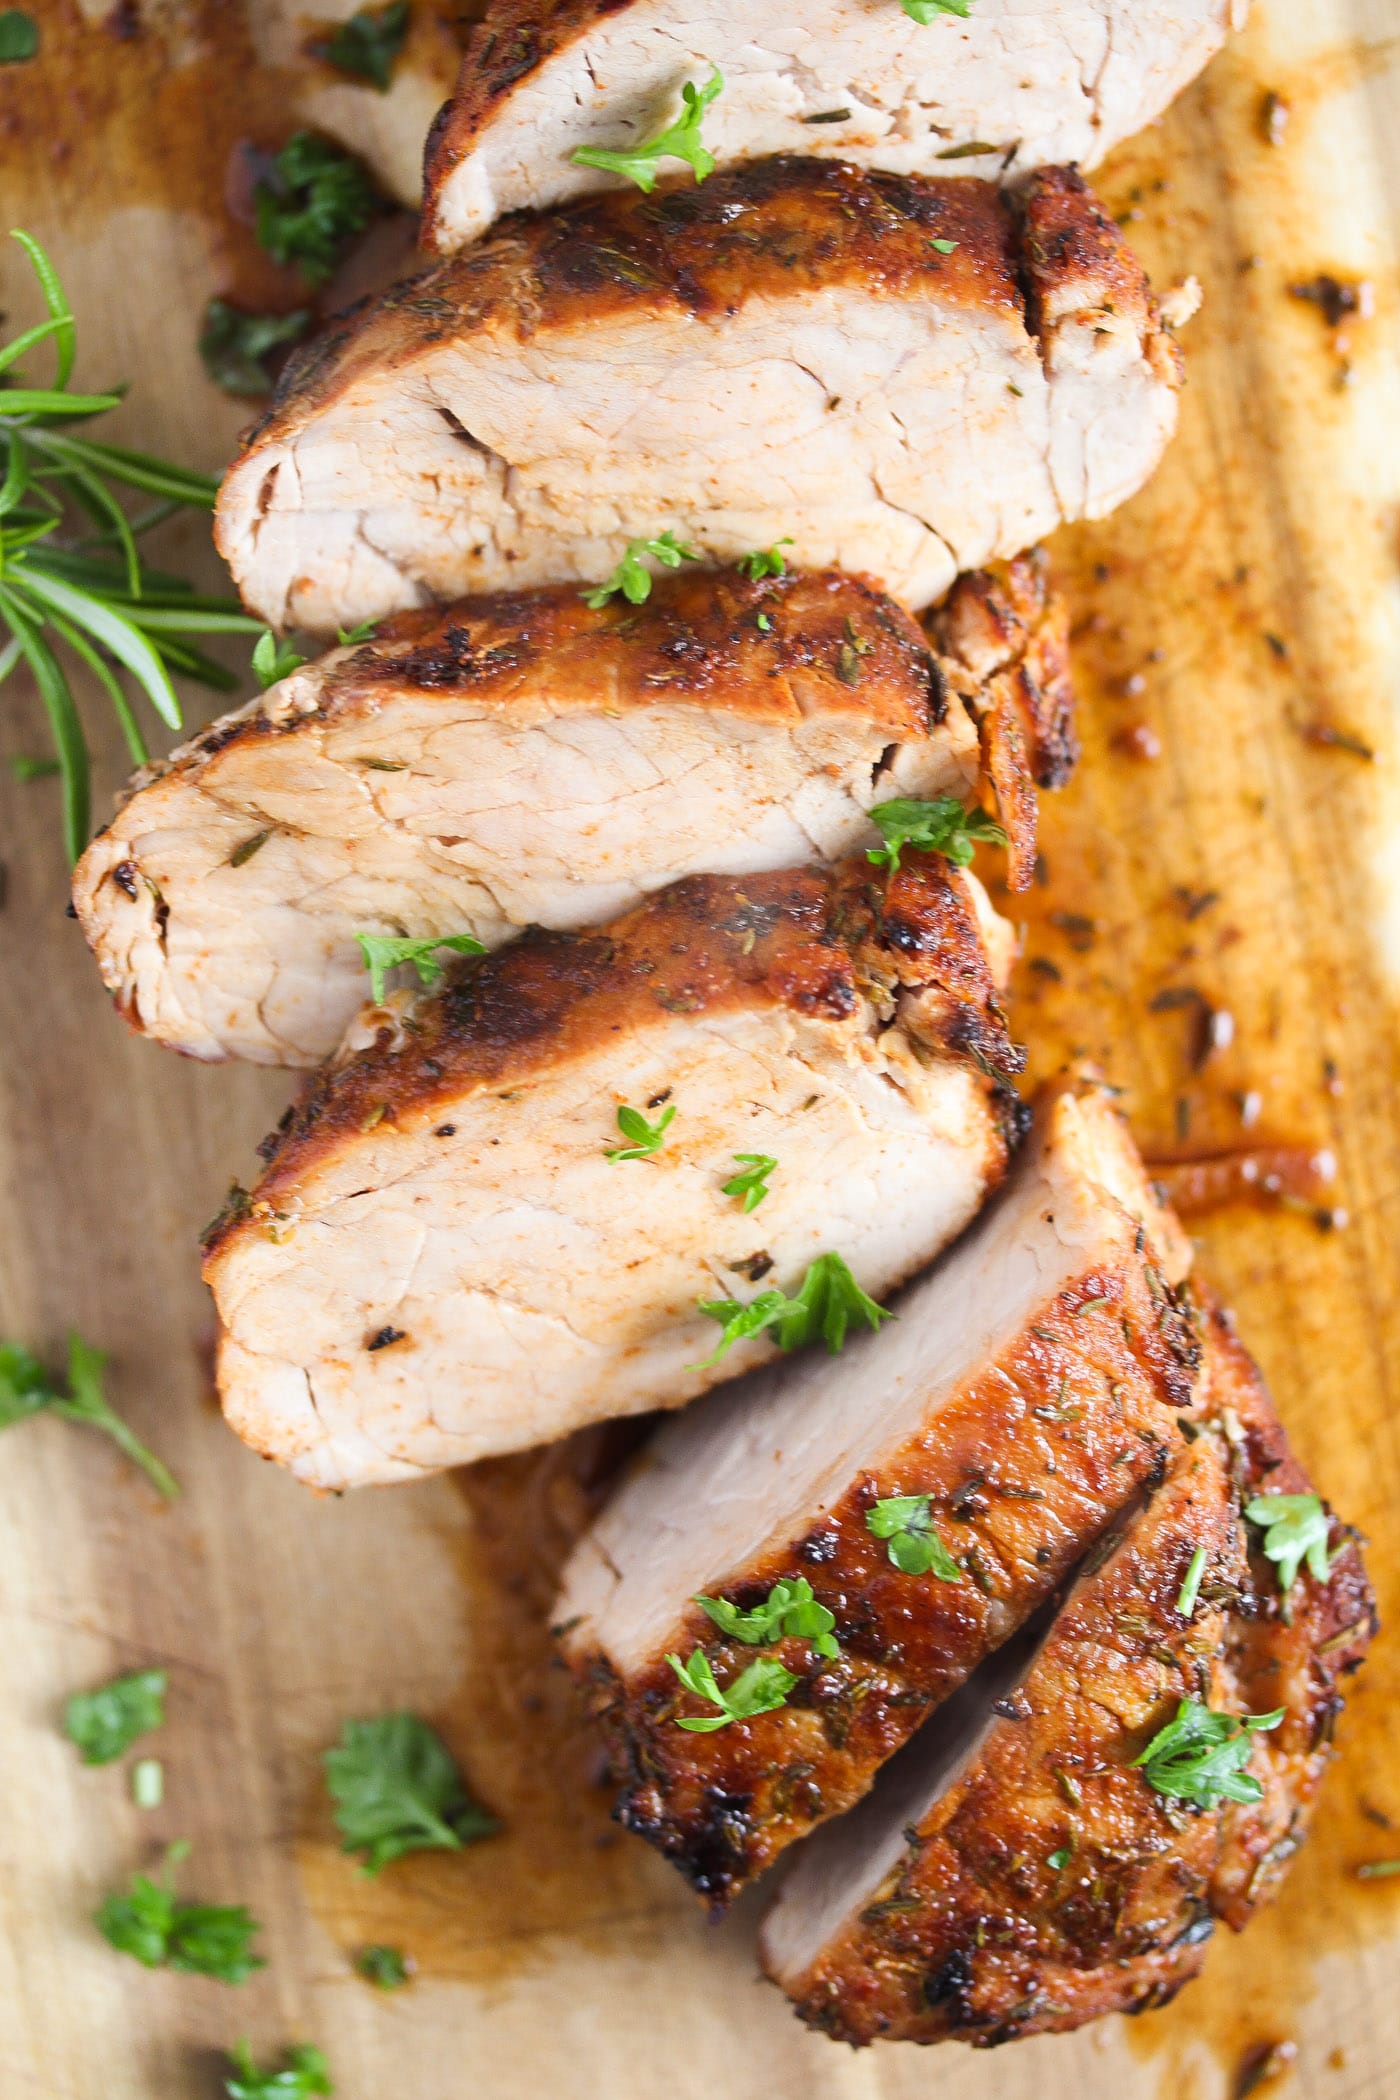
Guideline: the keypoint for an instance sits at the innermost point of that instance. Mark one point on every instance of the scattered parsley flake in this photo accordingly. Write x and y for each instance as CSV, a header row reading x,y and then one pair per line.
x,y
943,247
644,1140
304,2073
1191,1587
632,578
397,1789
760,1689
387,1968
384,952
679,141
154,1927
234,345
941,826
148,1782
764,561
825,1303
104,1724
368,44
789,1610
24,769
1377,1869
26,1390
313,200
1201,1756
914,1546
1058,1861
351,637
19,37
752,1184
926,11
1295,1530
274,660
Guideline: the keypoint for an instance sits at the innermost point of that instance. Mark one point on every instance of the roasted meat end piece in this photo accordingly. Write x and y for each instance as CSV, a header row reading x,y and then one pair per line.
x,y
527,759
903,377
1015,1871
1028,1388
997,93
441,1261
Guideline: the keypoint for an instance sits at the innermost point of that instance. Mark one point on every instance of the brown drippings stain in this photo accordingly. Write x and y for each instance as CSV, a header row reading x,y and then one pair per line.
x,y
1289,1174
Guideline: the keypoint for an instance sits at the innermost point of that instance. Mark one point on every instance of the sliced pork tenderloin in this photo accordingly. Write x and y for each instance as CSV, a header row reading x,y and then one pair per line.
x,y
886,371
528,759
1004,89
1015,1871
441,1261
1028,1387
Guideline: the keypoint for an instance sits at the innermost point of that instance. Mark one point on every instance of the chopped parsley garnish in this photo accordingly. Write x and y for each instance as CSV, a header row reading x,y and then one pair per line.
x,y
914,1546
104,1724
154,1927
234,345
148,1782
1378,1869
1295,1530
26,1389
1191,1587
383,952
25,769
304,2073
631,576
752,1184
19,36
789,1609
826,1302
644,1140
369,43
314,199
761,1689
387,1968
351,637
1201,1756
274,660
1058,1861
942,826
943,247
397,1789
679,141
764,561
926,11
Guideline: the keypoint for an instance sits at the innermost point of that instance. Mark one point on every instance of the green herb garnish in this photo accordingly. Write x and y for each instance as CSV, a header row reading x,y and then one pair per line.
x,y
304,2073
926,11
148,1782
104,1724
312,201
761,1689
1378,1869
1201,1756
943,247
19,36
632,578
25,769
386,1968
1058,1861
942,826
26,1390
914,1546
789,1609
274,660
234,345
155,1928
752,1184
351,637
644,1140
826,1302
1295,1530
397,1789
1191,1587
764,561
384,952
369,43
680,141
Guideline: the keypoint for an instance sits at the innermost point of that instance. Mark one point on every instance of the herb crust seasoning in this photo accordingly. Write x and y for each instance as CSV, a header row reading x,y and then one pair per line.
x,y
442,1261
933,376
1023,1394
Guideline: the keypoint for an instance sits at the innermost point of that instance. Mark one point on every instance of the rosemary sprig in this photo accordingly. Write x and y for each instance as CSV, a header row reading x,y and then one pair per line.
x,y
72,575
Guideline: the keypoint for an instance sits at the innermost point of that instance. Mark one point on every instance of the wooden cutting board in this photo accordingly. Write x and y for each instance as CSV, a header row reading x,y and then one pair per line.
x,y
1236,617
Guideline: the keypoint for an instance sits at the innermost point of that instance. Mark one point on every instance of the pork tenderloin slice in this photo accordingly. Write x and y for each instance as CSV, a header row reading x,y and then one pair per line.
x,y
1002,91
440,1261
782,354
525,759
1013,1872
1028,1386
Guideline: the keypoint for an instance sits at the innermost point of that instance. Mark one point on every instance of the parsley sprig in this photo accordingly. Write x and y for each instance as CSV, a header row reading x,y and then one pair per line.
x,y
304,2073
679,141
825,1304
314,198
632,578
1201,1756
397,1789
71,569
154,1927
764,561
789,1609
368,44
26,1390
384,952
644,1140
926,11
387,1968
760,1689
752,1184
914,1546
941,826
104,1724
1295,1530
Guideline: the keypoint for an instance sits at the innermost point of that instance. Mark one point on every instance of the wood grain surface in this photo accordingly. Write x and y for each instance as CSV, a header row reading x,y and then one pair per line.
x,y
1233,618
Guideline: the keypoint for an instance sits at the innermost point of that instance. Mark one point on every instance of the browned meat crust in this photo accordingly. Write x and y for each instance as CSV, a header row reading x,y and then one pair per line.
x,y
814,940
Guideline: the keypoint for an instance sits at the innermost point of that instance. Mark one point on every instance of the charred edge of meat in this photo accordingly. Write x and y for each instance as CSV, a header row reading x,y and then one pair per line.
x,y
1068,238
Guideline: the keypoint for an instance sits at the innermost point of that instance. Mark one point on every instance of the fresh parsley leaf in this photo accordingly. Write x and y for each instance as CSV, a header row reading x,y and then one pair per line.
x,y
1191,1587
385,952
25,1390
914,1546
1058,1861
398,1789
387,1968
104,1724
644,1140
19,36
234,345
1201,1756
764,561
680,141
273,659
943,247
313,200
632,578
788,1609
351,637
826,1302
1295,1530
304,2073
942,826
24,769
926,11
752,1184
369,43
154,1927
760,1689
